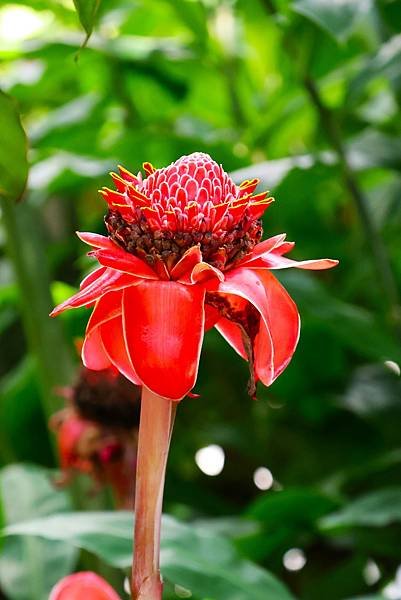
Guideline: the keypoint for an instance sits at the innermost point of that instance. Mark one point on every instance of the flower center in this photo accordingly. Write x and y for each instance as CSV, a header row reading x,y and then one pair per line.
x,y
222,249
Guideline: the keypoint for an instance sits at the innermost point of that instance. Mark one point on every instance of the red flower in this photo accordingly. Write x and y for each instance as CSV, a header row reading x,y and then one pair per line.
x,y
97,432
183,255
84,585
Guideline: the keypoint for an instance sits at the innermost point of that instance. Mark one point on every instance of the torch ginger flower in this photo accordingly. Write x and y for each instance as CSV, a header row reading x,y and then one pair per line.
x,y
184,254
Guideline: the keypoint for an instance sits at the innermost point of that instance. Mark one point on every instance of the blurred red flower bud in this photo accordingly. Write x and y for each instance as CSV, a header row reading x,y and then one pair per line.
x,y
83,586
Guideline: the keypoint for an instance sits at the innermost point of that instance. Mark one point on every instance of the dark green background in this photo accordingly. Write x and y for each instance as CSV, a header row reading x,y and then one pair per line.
x,y
304,94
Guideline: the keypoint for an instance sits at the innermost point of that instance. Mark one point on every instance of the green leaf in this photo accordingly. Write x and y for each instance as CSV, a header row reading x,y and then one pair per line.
x,y
13,151
191,556
372,148
386,63
336,17
377,509
290,506
87,11
355,326
29,567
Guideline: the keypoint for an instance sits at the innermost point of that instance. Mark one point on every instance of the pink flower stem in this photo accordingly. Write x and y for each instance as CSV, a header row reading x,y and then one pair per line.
x,y
156,424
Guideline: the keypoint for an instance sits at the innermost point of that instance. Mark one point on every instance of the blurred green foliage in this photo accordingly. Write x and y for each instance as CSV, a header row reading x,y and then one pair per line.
x,y
306,95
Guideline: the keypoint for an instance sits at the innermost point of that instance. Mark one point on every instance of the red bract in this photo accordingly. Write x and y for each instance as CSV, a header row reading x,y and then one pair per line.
x,y
83,586
183,255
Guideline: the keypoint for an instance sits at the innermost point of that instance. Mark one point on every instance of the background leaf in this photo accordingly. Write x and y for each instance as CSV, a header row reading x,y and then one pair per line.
x,y
376,509
30,567
87,11
191,556
13,151
337,17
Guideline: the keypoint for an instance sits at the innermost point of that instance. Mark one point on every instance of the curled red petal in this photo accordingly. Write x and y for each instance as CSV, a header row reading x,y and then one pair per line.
x,y
244,282
284,325
119,259
190,258
283,248
278,331
83,586
91,277
164,324
107,307
109,280
203,272
95,240
263,248
275,261
112,335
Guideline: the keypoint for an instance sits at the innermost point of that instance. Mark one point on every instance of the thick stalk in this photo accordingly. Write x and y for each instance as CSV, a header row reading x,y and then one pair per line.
x,y
156,423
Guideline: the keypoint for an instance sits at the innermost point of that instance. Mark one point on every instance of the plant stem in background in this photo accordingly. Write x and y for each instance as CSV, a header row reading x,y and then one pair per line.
x,y
28,255
156,424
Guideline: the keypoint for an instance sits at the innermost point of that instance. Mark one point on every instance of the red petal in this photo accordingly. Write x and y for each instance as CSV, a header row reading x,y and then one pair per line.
x,y
203,272
283,248
231,332
107,307
164,323
245,283
95,240
190,269
264,248
212,315
91,277
112,335
274,261
93,353
278,333
284,325
119,259
80,586
108,281
190,258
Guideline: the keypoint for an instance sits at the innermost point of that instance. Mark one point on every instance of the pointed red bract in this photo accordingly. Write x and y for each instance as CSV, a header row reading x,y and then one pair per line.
x,y
107,281
165,336
83,586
